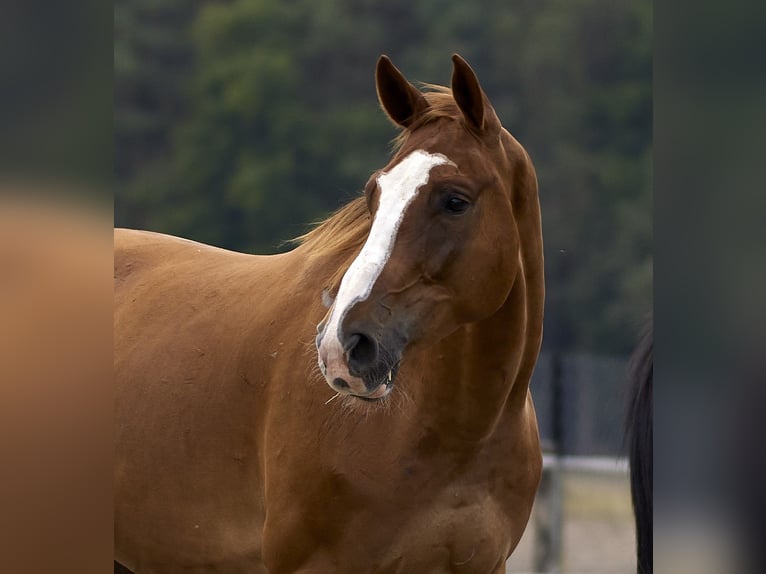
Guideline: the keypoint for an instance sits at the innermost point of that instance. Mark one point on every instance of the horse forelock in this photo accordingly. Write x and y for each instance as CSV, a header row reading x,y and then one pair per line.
x,y
441,104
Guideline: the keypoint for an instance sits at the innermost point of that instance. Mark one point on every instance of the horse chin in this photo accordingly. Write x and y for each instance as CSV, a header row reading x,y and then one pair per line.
x,y
380,393
384,388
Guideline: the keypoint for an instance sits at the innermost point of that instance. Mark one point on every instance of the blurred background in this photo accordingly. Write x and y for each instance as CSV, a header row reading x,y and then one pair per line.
x,y
239,123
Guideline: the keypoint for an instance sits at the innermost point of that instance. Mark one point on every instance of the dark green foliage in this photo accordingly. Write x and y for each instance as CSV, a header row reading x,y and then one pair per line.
x,y
240,122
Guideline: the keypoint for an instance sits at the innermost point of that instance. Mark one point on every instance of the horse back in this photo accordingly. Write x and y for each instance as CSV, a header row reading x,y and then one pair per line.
x,y
189,396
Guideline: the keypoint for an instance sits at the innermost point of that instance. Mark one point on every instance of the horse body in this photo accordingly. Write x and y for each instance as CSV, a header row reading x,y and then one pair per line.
x,y
230,455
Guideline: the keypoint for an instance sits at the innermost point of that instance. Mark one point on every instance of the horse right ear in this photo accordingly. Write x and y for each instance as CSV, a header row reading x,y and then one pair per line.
x,y
401,101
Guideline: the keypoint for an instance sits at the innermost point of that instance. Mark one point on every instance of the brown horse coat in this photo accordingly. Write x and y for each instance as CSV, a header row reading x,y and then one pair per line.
x,y
229,457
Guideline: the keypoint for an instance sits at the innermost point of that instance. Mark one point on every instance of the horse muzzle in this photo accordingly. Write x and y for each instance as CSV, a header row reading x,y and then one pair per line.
x,y
359,365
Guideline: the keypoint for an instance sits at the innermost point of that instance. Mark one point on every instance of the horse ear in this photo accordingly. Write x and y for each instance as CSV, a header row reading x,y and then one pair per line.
x,y
470,98
402,101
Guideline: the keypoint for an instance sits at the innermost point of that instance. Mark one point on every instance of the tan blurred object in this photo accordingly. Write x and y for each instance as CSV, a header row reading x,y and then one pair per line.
x,y
55,365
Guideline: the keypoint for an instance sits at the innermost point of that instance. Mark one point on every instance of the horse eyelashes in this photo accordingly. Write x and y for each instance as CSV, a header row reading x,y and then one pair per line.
x,y
455,205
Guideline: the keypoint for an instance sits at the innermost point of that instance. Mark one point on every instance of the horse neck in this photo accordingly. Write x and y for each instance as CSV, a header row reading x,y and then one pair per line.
x,y
482,371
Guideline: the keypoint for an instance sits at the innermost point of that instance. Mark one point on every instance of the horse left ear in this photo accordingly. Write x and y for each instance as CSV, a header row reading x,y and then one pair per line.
x,y
471,99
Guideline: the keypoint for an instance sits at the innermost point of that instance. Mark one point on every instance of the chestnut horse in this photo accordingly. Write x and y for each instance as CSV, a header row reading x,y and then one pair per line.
x,y
360,403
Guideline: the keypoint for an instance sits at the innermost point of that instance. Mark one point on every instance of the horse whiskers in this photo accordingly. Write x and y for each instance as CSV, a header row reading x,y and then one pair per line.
x,y
332,398
315,374
310,345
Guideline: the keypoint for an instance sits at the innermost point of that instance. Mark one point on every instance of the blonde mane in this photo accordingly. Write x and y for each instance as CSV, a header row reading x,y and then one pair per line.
x,y
346,230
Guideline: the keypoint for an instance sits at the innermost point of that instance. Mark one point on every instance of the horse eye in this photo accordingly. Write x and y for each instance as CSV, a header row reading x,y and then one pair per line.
x,y
455,204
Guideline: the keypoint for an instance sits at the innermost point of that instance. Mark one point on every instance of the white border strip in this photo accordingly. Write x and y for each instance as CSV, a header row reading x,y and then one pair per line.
x,y
601,464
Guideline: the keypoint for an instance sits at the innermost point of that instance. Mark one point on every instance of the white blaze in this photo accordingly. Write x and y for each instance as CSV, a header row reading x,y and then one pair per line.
x,y
398,187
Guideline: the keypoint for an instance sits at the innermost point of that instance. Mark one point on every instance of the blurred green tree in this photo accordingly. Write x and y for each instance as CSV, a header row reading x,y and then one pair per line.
x,y
153,59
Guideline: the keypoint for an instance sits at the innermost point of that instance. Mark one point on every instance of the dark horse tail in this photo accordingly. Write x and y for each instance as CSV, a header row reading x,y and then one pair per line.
x,y
639,439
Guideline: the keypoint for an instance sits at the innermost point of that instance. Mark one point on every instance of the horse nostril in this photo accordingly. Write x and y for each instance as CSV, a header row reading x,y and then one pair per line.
x,y
362,351
339,383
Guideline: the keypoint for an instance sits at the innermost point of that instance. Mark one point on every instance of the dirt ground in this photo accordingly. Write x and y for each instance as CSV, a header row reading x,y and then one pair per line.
x,y
597,526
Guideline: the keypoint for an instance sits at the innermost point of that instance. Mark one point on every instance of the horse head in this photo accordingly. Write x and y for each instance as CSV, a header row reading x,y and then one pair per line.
x,y
443,250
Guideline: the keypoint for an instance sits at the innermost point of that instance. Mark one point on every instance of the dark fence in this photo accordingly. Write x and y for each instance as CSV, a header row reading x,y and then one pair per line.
x,y
580,402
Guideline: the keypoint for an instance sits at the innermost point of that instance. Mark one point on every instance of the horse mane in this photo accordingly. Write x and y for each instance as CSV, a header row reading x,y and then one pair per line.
x,y
345,230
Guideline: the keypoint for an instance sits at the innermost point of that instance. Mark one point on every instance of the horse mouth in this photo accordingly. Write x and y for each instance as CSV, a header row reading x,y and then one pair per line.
x,y
384,387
